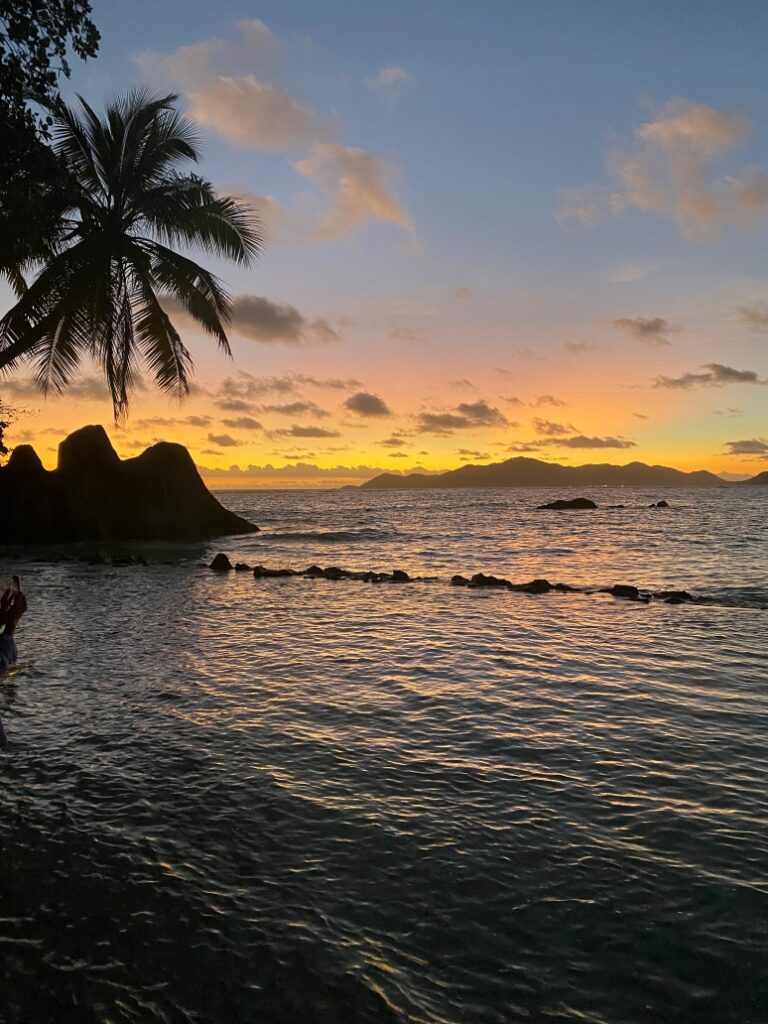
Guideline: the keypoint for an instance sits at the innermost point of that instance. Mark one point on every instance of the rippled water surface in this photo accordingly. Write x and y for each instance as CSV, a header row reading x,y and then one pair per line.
x,y
239,801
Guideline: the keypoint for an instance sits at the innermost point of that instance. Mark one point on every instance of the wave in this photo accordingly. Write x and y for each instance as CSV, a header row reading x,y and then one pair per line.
x,y
333,536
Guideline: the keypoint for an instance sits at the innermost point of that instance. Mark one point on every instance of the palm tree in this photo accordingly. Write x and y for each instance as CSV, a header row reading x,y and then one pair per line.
x,y
110,272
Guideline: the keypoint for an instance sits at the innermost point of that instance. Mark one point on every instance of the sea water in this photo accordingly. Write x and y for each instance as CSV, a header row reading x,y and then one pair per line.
x,y
233,801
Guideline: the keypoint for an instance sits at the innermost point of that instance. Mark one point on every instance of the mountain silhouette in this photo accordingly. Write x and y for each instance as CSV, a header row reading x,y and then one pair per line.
x,y
761,478
523,472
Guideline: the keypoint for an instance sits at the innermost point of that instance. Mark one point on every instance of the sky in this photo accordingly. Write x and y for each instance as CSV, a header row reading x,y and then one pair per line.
x,y
492,229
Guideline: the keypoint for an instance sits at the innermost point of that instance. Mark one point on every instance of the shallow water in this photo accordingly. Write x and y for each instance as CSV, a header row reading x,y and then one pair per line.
x,y
229,800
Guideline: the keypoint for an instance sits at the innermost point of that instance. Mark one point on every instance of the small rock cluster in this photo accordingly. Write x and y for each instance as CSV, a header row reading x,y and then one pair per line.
x,y
221,563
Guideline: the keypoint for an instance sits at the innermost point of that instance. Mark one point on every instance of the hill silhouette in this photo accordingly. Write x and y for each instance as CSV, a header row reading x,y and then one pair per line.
x,y
525,472
761,478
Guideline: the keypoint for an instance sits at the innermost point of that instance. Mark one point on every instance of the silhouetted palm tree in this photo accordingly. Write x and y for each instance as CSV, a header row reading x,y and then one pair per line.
x,y
110,271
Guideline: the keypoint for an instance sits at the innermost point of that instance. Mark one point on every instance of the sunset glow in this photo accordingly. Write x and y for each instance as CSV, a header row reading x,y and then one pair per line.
x,y
444,281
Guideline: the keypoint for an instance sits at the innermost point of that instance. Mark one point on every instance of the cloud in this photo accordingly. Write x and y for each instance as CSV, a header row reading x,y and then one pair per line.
x,y
542,400
576,348
641,416
751,446
242,423
466,455
390,83
393,75
365,404
754,317
238,393
462,292
223,440
628,272
650,330
357,184
299,431
88,389
256,115
407,334
269,322
715,375
550,429
224,94
393,442
467,415
579,441
296,409
668,170
731,412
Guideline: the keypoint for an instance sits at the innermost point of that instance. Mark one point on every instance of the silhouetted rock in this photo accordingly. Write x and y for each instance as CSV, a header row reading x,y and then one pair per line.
x,y
568,503
261,572
220,563
674,596
481,580
94,496
534,587
313,571
242,567
459,581
334,573
659,504
398,576
623,590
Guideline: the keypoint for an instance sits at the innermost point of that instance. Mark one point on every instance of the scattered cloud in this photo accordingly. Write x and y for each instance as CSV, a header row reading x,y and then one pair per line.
x,y
466,415
393,442
462,292
298,431
357,184
407,334
579,441
390,83
550,429
641,416
628,272
750,446
366,404
715,375
542,400
669,170
754,317
223,440
262,320
576,348
87,389
242,423
296,409
731,412
651,330
238,393
467,455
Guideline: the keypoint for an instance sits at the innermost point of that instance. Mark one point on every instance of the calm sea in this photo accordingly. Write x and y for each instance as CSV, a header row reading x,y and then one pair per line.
x,y
230,801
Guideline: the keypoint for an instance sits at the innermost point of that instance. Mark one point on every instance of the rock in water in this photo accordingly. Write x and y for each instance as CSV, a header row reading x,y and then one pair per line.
x,y
220,563
565,503
94,496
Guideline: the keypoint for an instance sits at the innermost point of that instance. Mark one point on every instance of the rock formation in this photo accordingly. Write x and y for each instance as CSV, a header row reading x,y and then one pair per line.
x,y
94,496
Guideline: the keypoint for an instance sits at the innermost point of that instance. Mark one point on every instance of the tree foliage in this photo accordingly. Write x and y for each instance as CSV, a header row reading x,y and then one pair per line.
x,y
36,37
112,271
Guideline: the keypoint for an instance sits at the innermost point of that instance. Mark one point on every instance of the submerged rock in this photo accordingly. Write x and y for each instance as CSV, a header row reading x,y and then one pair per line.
x,y
623,590
242,567
659,504
260,572
93,495
569,503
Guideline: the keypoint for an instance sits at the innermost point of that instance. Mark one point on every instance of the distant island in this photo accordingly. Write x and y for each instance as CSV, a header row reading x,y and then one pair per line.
x,y
94,496
525,472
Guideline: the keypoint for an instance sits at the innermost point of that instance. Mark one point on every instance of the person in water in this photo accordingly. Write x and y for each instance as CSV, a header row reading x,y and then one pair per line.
x,y
13,604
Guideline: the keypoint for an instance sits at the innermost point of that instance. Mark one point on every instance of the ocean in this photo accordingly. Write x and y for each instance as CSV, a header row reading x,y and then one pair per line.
x,y
293,801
